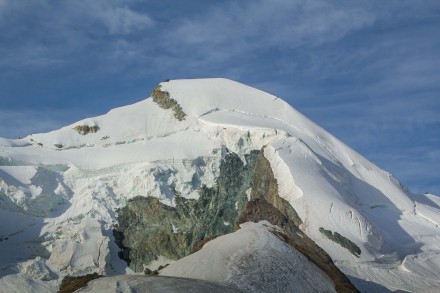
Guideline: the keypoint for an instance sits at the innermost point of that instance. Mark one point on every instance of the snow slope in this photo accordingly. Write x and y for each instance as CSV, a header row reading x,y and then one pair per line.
x,y
250,255
240,260
150,284
62,188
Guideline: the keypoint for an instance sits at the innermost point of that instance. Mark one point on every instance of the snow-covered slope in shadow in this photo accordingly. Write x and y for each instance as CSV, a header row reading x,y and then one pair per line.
x,y
139,283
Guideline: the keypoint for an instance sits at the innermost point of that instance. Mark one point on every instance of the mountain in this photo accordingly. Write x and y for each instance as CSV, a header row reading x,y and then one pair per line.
x,y
253,259
148,184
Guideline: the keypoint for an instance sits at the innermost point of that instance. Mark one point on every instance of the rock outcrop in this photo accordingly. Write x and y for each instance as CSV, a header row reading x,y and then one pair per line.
x,y
149,230
341,240
164,100
264,185
86,129
72,284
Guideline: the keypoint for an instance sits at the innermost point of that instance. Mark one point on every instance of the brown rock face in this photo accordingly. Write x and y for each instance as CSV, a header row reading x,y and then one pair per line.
x,y
85,129
71,284
164,100
264,185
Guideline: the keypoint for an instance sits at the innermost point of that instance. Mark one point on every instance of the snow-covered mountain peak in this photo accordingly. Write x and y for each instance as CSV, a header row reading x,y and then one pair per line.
x,y
173,146
199,96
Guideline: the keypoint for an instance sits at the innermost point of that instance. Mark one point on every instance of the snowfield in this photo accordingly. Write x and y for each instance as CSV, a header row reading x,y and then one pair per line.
x,y
59,192
253,259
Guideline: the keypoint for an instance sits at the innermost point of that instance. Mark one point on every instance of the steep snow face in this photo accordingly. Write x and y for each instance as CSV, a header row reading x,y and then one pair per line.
x,y
250,255
56,184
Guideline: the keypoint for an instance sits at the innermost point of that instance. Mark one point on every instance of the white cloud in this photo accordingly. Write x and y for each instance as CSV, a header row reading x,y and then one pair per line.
x,y
121,20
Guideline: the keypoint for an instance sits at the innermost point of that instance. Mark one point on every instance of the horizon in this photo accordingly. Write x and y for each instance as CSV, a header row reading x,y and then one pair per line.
x,y
368,73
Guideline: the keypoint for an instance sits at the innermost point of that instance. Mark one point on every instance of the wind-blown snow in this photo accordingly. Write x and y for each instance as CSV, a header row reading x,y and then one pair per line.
x,y
62,188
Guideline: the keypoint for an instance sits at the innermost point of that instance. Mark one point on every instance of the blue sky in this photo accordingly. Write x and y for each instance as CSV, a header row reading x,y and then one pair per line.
x,y
367,71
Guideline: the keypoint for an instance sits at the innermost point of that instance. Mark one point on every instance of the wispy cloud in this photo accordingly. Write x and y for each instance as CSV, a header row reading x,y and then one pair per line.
x,y
240,30
280,23
45,33
121,20
368,71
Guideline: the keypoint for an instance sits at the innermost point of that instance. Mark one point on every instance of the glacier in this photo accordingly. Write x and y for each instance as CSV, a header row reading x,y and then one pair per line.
x,y
60,191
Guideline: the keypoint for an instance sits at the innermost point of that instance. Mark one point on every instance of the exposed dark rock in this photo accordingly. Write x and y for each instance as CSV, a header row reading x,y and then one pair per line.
x,y
148,229
163,99
259,209
162,267
264,185
58,145
341,240
71,284
149,272
85,129
124,253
